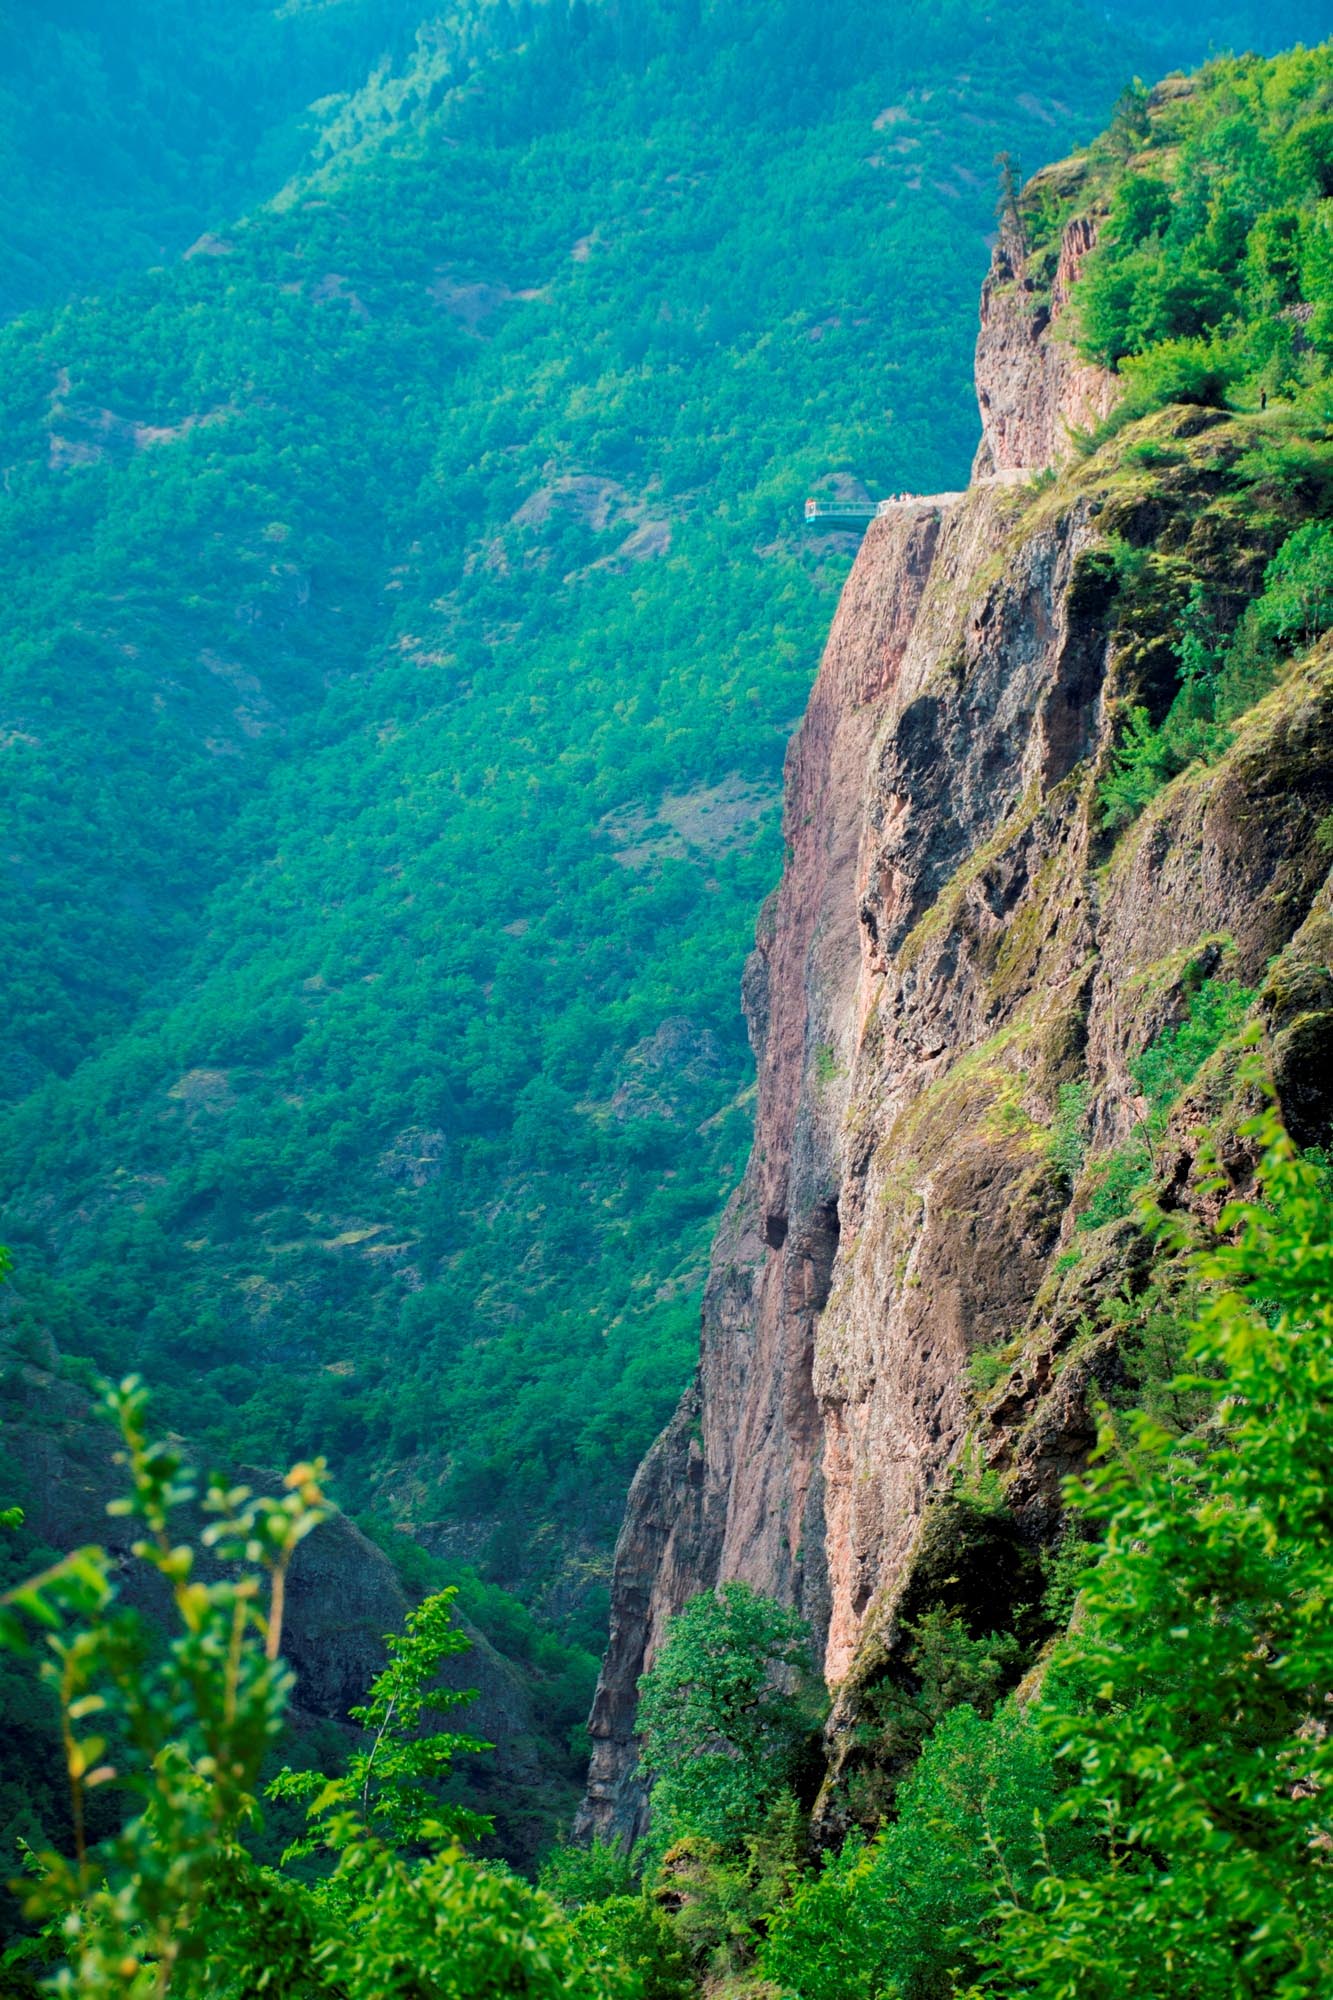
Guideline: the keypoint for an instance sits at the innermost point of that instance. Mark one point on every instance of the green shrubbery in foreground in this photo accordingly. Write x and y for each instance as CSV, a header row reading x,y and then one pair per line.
x,y
1151,1825
1148,1825
376,1898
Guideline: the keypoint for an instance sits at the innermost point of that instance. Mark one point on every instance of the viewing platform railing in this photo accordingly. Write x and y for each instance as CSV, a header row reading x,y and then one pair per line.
x,y
843,510
855,513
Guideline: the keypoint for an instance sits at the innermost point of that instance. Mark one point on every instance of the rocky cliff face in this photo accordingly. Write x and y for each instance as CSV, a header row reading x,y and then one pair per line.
x,y
955,938
1032,388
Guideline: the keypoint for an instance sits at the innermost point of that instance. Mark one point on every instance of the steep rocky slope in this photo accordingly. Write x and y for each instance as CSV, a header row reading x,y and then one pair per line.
x,y
961,969
58,1461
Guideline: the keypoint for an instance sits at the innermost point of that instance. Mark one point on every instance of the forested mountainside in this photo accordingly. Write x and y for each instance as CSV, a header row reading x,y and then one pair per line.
x,y
127,131
405,615
1014,1412
406,610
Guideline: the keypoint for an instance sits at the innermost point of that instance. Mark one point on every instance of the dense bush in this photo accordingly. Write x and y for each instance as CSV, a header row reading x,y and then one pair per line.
x,y
1221,676
724,1713
910,1910
1212,269
1215,1010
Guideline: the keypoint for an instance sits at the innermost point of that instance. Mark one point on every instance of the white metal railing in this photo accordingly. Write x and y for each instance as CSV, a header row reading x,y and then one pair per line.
x,y
870,510
842,510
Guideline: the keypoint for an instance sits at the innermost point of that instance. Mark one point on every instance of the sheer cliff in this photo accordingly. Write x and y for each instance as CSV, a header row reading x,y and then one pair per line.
x,y
912,1299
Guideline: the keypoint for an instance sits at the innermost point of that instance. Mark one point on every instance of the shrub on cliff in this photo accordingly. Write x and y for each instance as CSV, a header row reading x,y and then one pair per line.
x,y
724,1712
907,1912
579,1877
630,1930
1215,269
1215,1013
1297,601
1220,677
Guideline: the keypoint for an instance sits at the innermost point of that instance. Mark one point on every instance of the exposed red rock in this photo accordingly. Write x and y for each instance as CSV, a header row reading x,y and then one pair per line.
x,y
1032,387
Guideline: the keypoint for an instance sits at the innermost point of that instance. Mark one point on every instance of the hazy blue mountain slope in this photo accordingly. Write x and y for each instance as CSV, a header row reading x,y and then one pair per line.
x,y
1235,25
127,128
126,131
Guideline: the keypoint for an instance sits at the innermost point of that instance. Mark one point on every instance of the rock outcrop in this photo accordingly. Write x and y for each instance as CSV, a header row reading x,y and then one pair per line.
x,y
1032,387
956,937
58,1459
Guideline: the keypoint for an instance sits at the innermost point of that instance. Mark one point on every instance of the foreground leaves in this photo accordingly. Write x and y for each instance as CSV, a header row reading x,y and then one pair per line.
x,y
1192,1704
378,1900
